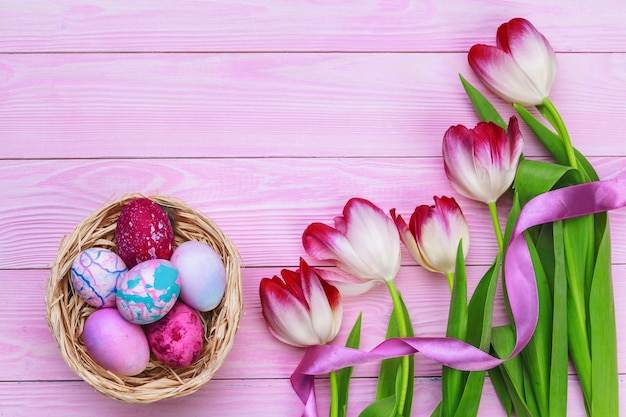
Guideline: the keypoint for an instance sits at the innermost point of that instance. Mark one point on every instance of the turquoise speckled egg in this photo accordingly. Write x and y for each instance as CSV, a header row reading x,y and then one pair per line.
x,y
148,291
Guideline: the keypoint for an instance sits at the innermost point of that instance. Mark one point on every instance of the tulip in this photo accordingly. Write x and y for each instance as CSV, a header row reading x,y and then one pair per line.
x,y
301,309
434,233
521,68
364,242
481,162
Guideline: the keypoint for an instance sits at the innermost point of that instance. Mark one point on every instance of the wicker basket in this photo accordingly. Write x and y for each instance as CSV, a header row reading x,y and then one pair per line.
x,y
66,312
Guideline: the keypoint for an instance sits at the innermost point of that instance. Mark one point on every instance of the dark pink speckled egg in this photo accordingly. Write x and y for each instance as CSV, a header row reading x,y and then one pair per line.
x,y
177,339
143,232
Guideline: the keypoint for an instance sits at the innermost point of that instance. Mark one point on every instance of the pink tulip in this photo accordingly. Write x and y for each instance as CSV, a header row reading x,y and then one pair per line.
x,y
481,162
364,242
434,233
521,68
301,309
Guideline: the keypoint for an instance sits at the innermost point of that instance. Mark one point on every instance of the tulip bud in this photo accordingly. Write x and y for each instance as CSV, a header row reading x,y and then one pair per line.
x,y
300,308
433,234
481,162
521,68
364,242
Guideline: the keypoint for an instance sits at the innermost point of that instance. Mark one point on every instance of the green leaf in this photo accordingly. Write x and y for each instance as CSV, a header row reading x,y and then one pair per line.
x,y
457,316
545,112
485,110
553,143
536,355
559,358
386,407
390,368
480,309
603,333
535,177
502,342
577,242
437,411
550,140
500,386
344,374
470,400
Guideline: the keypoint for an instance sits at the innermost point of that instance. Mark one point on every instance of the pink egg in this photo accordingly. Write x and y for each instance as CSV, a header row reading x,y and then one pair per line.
x,y
143,232
177,339
115,344
202,274
148,291
94,274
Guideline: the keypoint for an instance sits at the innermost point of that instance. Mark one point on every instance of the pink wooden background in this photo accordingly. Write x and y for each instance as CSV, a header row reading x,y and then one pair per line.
x,y
266,116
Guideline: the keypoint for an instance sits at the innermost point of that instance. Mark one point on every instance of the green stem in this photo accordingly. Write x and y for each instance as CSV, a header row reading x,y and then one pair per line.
x,y
402,330
496,225
562,131
450,276
334,395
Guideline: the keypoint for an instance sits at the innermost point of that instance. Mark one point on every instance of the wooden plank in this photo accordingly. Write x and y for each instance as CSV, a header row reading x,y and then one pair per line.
x,y
263,205
256,25
259,397
29,352
258,105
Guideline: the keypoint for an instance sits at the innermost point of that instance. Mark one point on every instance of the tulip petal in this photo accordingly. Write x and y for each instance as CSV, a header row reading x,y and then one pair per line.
x,y
517,141
294,284
502,74
532,52
374,237
287,319
407,236
441,230
325,243
492,153
347,284
459,164
322,315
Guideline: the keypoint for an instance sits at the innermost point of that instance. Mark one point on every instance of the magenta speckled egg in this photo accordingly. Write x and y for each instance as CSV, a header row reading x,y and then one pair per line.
x,y
148,291
203,276
143,232
94,274
177,339
115,344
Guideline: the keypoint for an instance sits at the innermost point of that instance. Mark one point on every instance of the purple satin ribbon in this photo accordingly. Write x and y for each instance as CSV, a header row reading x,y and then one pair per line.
x,y
564,203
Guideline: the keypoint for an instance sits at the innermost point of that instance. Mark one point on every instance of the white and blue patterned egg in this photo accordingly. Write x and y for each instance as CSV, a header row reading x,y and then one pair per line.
x,y
94,275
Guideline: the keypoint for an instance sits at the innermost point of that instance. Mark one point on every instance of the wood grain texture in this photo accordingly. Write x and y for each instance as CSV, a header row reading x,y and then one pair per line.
x,y
29,352
263,205
258,105
330,25
258,397
266,116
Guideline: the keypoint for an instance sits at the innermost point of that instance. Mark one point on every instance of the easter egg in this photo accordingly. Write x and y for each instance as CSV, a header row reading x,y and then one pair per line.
x,y
177,339
115,344
94,275
148,291
202,274
143,232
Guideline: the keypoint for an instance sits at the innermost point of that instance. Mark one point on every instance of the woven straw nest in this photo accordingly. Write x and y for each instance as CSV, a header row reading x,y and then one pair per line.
x,y
67,312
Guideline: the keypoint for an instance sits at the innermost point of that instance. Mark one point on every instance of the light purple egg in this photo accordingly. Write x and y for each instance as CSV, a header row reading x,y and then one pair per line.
x,y
148,291
202,273
115,344
95,272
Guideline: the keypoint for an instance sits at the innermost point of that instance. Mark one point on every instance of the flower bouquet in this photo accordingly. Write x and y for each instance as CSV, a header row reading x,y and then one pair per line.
x,y
553,258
